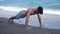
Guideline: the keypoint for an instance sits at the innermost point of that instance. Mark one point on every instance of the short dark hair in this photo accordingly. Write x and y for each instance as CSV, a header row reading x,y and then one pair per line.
x,y
40,10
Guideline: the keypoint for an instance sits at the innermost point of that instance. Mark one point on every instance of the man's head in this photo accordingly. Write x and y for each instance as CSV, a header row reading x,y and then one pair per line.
x,y
40,10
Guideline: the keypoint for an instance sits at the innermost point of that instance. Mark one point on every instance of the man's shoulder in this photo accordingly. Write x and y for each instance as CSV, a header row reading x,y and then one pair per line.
x,y
31,8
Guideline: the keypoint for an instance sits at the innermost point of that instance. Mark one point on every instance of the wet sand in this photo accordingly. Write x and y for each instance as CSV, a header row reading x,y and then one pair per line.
x,y
13,28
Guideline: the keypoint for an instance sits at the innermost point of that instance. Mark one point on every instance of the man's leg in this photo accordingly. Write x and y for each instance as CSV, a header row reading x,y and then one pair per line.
x,y
11,19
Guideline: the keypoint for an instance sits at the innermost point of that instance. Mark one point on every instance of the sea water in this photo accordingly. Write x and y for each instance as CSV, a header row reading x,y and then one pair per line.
x,y
53,4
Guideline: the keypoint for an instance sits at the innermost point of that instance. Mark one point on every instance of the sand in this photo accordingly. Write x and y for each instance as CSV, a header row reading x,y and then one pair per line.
x,y
13,28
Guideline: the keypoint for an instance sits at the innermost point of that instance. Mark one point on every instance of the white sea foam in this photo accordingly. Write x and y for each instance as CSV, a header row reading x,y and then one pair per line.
x,y
49,11
12,8
17,9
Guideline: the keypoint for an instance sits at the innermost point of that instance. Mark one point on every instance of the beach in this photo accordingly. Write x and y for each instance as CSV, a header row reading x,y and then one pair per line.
x,y
50,24
13,28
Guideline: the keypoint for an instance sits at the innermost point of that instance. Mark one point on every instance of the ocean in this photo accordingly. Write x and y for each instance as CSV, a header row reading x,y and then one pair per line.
x,y
50,18
51,4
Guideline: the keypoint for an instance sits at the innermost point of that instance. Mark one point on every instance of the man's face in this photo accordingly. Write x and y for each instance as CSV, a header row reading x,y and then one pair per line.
x,y
36,11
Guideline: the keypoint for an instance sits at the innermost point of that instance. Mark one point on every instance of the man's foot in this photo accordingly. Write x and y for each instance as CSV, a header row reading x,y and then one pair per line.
x,y
10,21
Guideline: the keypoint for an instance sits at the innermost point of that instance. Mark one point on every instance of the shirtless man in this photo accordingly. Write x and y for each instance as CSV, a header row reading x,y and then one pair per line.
x,y
27,13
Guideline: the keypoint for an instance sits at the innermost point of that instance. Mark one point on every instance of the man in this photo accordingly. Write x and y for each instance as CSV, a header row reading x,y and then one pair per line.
x,y
27,13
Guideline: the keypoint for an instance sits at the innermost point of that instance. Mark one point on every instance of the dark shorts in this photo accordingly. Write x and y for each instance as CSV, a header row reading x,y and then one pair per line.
x,y
20,14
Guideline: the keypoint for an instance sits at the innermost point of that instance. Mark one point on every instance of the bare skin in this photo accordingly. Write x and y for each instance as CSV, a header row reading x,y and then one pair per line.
x,y
31,11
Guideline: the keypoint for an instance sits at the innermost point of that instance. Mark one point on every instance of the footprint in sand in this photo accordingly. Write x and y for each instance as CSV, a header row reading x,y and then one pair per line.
x,y
1,21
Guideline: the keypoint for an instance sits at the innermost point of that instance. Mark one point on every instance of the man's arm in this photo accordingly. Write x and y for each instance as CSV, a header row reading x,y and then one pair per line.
x,y
39,18
27,19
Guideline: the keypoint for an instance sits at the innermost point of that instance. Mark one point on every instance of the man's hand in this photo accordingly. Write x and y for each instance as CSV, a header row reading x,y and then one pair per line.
x,y
28,28
39,18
